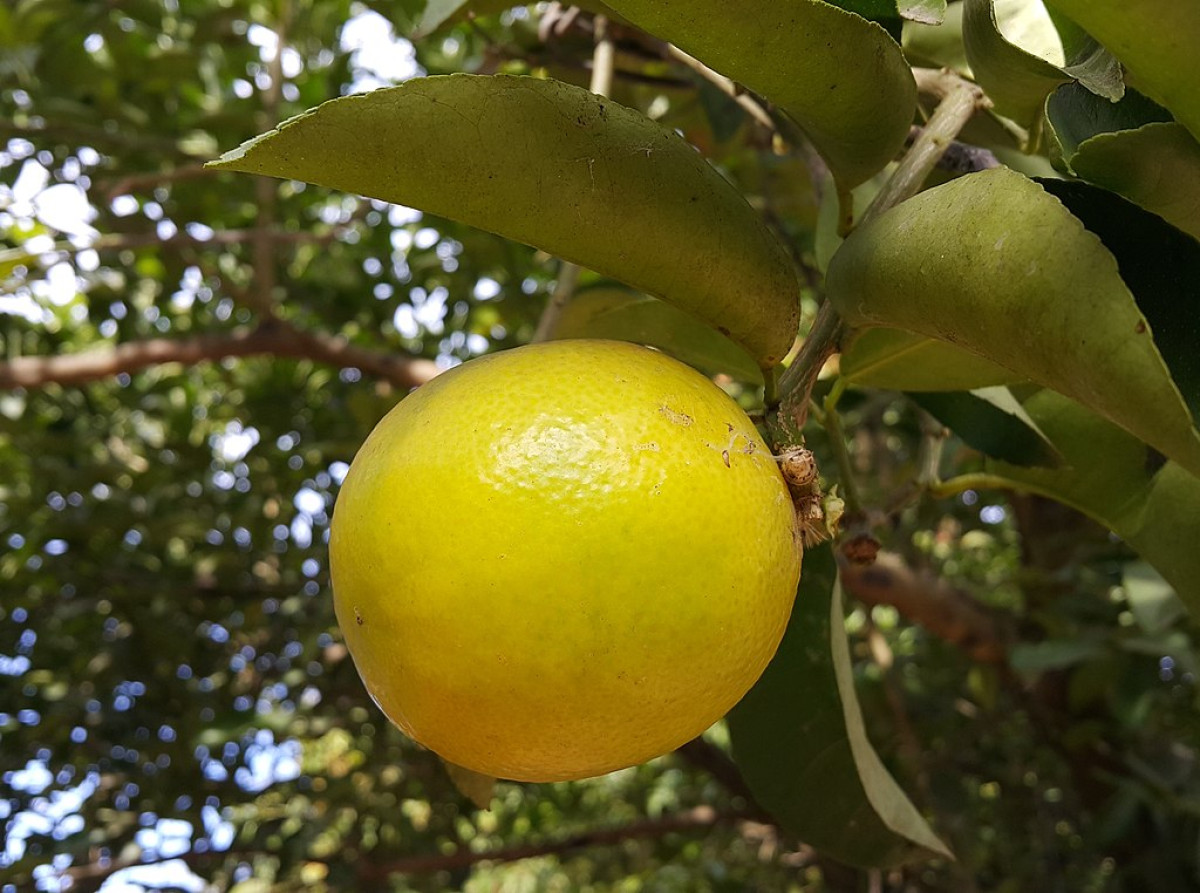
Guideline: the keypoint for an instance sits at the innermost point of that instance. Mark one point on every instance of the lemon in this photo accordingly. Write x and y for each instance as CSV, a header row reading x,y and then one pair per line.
x,y
563,559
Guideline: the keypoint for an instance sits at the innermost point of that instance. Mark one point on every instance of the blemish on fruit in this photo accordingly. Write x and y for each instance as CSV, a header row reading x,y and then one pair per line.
x,y
357,617
682,419
1140,328
651,446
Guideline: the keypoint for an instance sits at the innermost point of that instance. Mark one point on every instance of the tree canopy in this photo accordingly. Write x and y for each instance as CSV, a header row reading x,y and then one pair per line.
x,y
191,357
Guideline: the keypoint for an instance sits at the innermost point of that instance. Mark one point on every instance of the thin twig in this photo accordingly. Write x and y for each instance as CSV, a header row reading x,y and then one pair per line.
x,y
725,85
568,278
568,273
150,179
961,99
124,241
832,422
797,382
701,818
266,189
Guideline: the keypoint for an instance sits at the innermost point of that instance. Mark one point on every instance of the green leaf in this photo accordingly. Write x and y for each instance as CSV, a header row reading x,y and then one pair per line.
x,y
891,14
799,740
1161,267
1152,601
843,79
994,265
1053,654
1132,148
559,168
1019,55
927,12
904,361
1113,477
992,421
1077,115
1157,41
938,45
617,313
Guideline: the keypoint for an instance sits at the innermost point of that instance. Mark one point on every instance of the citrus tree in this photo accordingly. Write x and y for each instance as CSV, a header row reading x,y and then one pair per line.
x,y
948,250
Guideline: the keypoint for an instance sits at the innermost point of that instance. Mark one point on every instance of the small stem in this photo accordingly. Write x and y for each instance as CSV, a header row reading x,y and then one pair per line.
x,y
974,481
960,100
770,386
815,410
602,58
933,441
845,200
832,423
568,276
568,273
725,85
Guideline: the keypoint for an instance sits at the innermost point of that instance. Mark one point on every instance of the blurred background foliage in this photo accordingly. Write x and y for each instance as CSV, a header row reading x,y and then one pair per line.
x,y
177,710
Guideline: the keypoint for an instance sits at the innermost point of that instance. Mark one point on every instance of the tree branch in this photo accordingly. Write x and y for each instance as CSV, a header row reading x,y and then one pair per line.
x,y
699,819
945,610
274,339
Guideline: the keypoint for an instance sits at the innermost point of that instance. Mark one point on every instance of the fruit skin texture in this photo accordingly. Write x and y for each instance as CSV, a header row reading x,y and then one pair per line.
x,y
562,559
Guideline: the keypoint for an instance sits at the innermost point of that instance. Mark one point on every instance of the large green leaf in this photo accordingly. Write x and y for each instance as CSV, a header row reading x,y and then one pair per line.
x,y
799,740
994,265
560,168
1019,54
1131,147
1157,41
905,361
623,315
1114,478
842,78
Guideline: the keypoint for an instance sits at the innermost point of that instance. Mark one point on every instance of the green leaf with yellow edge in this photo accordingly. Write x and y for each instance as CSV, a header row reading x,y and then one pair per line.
x,y
843,79
623,315
896,360
995,265
1132,148
1117,480
1157,41
799,740
559,168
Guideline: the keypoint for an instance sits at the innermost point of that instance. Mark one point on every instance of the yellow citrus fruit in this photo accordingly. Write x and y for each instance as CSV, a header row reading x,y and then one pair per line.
x,y
563,559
